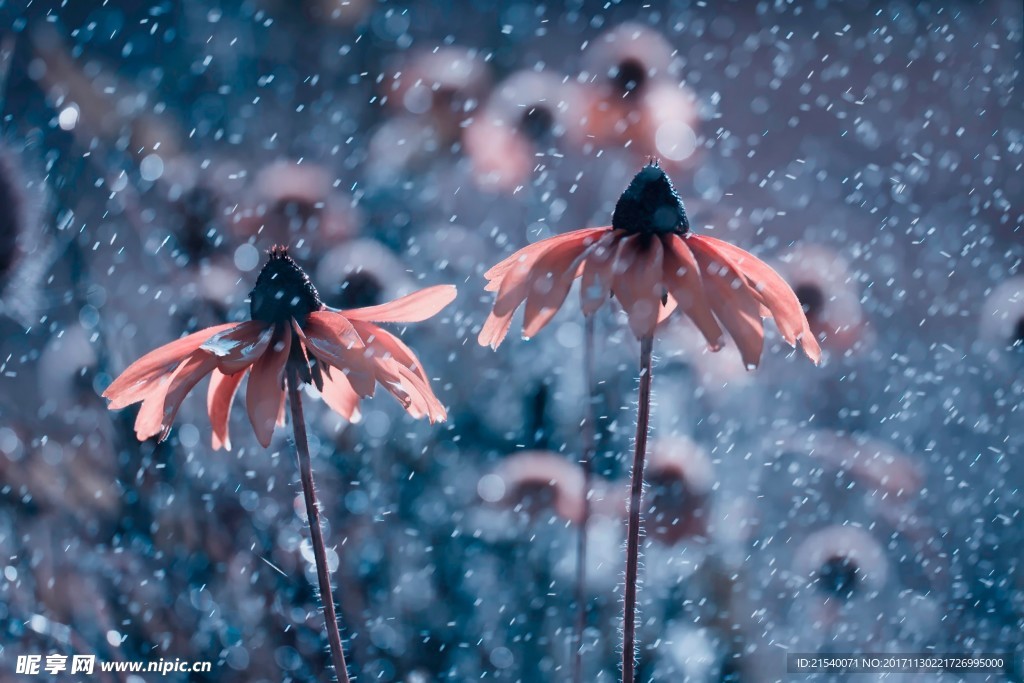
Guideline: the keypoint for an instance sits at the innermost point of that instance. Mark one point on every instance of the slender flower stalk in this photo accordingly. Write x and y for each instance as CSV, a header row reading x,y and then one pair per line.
x,y
636,490
589,449
315,532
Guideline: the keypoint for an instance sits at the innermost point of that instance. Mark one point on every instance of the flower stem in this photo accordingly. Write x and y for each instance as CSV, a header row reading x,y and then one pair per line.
x,y
636,492
589,448
315,532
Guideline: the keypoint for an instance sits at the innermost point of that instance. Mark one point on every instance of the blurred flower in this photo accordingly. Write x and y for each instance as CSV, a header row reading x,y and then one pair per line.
x,y
444,84
361,272
843,561
828,294
539,481
542,481
635,100
872,463
434,94
296,201
524,117
201,197
1002,319
650,262
679,477
342,352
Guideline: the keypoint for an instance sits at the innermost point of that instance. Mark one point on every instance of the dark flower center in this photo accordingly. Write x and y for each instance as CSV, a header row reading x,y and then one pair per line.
x,y
445,99
838,576
282,291
811,298
358,289
673,498
536,498
629,76
537,124
650,205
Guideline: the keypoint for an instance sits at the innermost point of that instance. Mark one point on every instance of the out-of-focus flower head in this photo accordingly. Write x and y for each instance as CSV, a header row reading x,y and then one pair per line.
x,y
636,98
527,115
202,197
880,468
291,337
361,272
842,562
293,202
445,85
538,482
544,482
829,294
651,263
680,478
433,94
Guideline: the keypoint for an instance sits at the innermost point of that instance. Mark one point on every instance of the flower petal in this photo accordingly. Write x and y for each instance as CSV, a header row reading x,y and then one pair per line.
x,y
400,372
219,398
339,395
159,408
412,308
238,348
265,394
638,286
775,294
512,280
495,329
514,288
415,395
732,300
596,282
550,281
531,252
385,344
682,277
139,378
332,339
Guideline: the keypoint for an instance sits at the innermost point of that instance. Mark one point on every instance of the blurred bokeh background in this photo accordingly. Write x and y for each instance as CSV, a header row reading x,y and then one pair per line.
x,y
151,151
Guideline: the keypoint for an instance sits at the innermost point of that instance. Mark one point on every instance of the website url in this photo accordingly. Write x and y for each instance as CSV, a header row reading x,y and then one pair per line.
x,y
53,664
161,667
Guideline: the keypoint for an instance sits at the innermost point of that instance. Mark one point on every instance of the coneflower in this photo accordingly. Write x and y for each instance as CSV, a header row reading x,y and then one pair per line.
x,y
652,264
292,339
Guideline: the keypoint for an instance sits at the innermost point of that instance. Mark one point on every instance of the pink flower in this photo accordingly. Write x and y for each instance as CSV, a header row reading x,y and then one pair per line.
x,y
652,264
291,335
